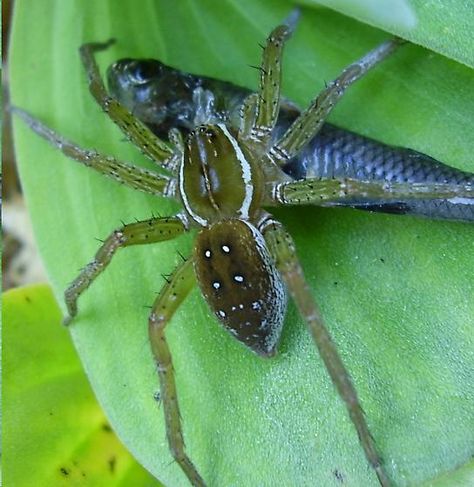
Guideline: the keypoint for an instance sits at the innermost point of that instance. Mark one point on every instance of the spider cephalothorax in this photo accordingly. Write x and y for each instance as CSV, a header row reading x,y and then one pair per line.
x,y
218,177
243,260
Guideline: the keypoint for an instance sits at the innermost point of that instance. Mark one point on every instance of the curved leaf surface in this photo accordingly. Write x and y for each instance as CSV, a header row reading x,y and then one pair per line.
x,y
396,292
54,432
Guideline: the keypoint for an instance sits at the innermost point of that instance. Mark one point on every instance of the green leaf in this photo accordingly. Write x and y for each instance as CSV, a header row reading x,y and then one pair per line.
x,y
396,292
460,477
397,14
54,432
444,26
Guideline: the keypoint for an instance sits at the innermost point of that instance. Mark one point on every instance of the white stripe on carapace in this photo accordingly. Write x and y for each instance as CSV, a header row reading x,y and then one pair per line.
x,y
184,197
246,172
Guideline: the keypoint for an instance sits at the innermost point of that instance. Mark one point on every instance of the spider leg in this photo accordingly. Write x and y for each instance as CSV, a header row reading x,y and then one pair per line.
x,y
270,81
331,192
307,125
125,173
247,117
260,114
282,249
142,232
171,296
133,129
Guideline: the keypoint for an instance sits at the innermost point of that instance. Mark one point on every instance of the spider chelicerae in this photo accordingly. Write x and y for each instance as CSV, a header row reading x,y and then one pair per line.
x,y
243,261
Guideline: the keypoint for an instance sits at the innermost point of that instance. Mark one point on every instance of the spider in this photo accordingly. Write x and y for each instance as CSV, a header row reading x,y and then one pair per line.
x,y
243,261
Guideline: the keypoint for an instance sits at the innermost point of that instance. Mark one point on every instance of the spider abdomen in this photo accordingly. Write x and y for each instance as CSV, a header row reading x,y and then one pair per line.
x,y
240,283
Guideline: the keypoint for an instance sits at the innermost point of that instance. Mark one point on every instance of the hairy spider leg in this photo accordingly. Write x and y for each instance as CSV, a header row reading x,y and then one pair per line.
x,y
171,296
125,173
134,130
268,101
176,138
307,125
139,233
247,114
331,192
259,112
282,249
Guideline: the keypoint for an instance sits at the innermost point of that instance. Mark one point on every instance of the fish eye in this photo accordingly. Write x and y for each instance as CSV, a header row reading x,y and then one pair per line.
x,y
143,71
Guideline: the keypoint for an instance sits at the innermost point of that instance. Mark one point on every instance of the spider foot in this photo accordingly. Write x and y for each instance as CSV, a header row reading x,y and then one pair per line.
x,y
100,46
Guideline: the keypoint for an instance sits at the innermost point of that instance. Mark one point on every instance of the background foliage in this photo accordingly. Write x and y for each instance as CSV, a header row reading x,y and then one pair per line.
x,y
55,433
396,292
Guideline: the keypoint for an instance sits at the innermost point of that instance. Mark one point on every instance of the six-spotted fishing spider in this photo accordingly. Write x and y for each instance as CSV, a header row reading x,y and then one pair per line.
x,y
243,259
